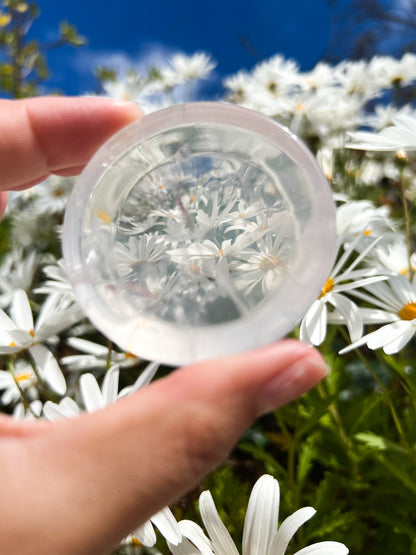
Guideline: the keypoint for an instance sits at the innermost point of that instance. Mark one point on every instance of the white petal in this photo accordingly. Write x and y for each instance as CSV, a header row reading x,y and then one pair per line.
x,y
324,548
195,534
399,342
110,385
186,548
87,346
376,316
6,323
316,322
407,122
350,313
288,528
52,323
166,523
220,537
145,534
146,376
21,338
91,393
21,312
260,525
48,367
386,334
67,408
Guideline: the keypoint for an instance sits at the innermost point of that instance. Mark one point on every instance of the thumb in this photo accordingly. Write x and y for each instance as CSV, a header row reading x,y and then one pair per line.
x,y
120,465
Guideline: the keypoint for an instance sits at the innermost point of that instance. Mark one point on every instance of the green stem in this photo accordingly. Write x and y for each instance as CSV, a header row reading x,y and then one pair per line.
x,y
408,231
336,417
290,441
386,396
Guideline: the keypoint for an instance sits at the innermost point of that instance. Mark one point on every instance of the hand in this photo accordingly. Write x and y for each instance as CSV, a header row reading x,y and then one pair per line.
x,y
77,487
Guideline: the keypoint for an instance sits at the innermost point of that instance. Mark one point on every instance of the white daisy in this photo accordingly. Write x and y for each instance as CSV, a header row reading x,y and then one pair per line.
x,y
95,397
137,252
400,136
125,88
394,256
51,196
261,534
95,355
18,331
263,265
396,304
186,68
16,272
20,378
58,280
167,525
361,216
343,279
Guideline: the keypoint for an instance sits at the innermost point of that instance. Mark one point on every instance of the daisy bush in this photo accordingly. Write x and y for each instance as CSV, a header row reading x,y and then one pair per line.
x,y
345,452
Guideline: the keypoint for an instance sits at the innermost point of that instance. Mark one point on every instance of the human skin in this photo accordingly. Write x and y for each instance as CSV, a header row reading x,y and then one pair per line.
x,y
77,487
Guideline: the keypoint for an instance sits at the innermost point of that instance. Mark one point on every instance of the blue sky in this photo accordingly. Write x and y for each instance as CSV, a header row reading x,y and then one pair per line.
x,y
132,32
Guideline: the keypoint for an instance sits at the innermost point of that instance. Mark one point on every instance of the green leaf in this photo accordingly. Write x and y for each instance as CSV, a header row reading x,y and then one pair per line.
x,y
380,443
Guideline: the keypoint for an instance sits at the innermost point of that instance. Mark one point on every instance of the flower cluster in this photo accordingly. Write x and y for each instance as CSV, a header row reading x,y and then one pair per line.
x,y
55,364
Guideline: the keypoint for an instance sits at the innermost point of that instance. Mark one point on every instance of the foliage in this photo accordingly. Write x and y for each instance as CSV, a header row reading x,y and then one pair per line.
x,y
23,64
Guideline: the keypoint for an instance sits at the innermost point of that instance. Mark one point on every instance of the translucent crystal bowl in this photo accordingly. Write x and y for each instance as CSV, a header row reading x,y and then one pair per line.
x,y
201,230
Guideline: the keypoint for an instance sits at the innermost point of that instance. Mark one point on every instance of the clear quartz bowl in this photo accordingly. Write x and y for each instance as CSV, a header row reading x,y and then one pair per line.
x,y
201,230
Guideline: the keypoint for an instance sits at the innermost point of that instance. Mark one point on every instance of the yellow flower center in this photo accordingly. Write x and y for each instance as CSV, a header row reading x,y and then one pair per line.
x,y
104,216
5,19
24,376
327,288
408,312
58,192
268,263
32,333
130,356
135,541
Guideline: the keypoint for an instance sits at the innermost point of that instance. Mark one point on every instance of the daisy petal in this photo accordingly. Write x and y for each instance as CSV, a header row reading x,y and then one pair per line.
x,y
67,408
20,310
316,322
88,347
146,376
91,393
261,521
324,548
6,323
110,385
195,534
397,344
288,528
386,334
166,523
48,368
349,311
220,537
145,534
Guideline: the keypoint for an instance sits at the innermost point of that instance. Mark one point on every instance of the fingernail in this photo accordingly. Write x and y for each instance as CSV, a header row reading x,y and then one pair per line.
x,y
118,102
295,380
